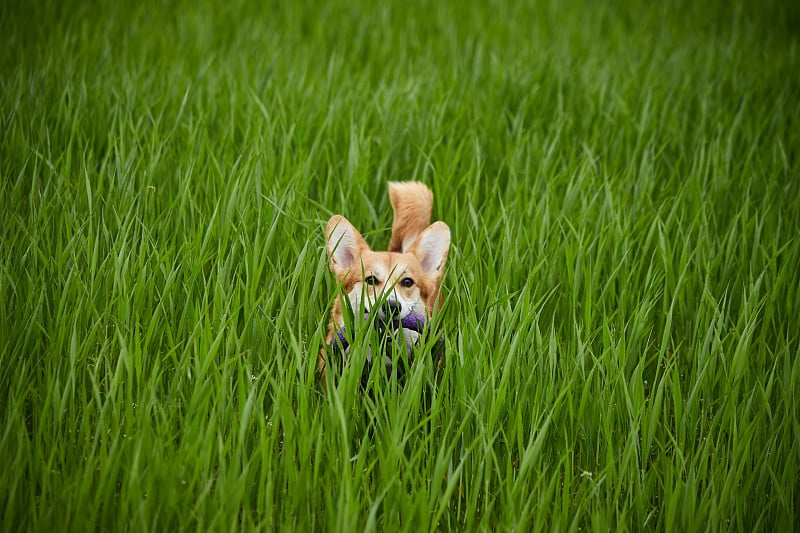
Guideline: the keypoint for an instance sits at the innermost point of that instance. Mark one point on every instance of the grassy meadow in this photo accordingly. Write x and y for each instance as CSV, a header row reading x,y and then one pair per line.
x,y
622,184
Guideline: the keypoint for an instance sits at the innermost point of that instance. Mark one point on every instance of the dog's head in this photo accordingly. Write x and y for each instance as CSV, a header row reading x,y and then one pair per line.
x,y
398,283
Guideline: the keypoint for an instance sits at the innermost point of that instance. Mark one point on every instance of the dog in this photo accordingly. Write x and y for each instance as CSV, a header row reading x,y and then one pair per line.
x,y
402,284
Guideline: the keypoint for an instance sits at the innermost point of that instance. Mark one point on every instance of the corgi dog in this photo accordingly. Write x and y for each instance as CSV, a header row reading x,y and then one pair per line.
x,y
405,279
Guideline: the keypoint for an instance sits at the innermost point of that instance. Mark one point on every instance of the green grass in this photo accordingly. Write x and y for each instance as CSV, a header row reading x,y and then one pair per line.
x,y
622,296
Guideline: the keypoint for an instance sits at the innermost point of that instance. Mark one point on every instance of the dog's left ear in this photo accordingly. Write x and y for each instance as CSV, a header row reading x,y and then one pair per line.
x,y
431,248
345,245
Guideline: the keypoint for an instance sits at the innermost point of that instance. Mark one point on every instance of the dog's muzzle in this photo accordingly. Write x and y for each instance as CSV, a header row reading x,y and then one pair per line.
x,y
396,341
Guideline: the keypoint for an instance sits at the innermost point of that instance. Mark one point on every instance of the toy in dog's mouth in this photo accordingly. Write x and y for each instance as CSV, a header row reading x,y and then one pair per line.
x,y
407,331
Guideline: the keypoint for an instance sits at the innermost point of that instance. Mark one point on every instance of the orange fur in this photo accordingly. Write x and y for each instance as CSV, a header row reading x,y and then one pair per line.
x,y
417,252
412,203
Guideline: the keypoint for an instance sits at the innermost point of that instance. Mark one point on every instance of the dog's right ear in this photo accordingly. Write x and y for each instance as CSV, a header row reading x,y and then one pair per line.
x,y
345,245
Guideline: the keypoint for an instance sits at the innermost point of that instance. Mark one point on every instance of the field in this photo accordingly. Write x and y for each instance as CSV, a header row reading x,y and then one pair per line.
x,y
622,184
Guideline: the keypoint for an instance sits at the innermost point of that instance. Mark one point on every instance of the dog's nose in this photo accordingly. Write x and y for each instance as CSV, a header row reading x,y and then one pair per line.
x,y
391,307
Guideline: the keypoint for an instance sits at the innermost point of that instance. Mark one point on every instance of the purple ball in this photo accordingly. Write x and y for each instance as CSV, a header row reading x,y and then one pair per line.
x,y
414,321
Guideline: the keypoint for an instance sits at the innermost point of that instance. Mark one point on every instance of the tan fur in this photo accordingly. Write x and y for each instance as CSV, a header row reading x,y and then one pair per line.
x,y
412,202
417,251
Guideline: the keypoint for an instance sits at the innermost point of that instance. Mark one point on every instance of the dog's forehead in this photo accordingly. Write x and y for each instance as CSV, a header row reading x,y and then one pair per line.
x,y
385,265
396,270
404,264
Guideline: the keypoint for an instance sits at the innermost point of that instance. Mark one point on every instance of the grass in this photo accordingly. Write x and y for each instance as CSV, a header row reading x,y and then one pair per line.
x,y
622,294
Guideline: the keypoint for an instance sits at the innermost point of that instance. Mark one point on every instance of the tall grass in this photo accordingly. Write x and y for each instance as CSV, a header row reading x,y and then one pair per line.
x,y
622,294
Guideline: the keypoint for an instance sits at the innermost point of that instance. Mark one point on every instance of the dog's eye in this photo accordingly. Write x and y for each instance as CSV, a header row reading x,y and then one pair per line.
x,y
371,280
407,282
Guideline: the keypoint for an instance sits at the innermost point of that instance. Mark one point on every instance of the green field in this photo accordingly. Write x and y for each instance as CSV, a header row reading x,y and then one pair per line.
x,y
622,184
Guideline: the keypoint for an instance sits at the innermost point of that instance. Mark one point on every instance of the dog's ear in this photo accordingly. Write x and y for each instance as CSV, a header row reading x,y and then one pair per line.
x,y
431,248
345,245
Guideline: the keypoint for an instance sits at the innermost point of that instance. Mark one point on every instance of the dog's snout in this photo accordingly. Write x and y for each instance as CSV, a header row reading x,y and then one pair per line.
x,y
391,307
